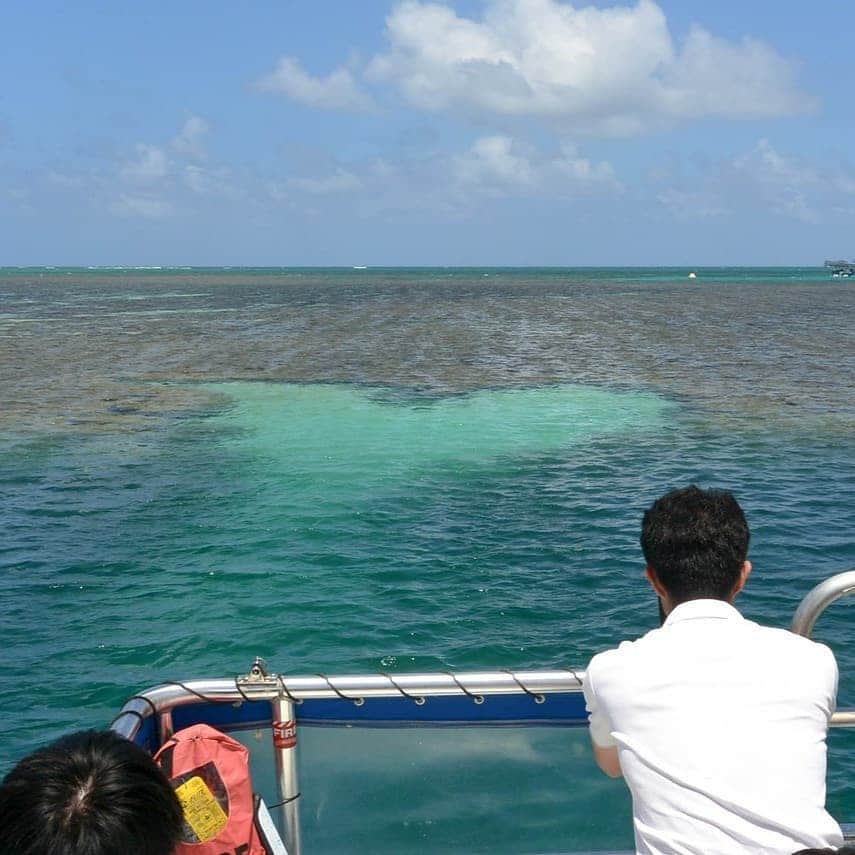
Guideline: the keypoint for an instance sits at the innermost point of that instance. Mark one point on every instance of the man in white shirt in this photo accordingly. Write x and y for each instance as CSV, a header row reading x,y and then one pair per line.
x,y
717,724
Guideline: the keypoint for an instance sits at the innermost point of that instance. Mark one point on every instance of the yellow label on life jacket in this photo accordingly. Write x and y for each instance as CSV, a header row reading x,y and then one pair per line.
x,y
201,809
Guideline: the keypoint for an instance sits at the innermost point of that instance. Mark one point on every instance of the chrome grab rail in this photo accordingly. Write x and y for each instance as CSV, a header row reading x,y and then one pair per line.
x,y
163,699
812,606
819,599
355,687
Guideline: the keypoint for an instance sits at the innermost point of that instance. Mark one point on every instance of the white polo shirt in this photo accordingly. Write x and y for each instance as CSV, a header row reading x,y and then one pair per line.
x,y
720,726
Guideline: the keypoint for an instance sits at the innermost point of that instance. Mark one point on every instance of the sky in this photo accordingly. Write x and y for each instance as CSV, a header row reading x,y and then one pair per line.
x,y
408,132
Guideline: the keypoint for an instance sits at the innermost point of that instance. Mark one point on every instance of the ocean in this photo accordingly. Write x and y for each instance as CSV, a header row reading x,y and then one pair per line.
x,y
357,470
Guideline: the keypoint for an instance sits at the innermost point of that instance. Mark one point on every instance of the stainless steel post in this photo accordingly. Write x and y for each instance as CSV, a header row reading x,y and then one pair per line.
x,y
285,749
165,726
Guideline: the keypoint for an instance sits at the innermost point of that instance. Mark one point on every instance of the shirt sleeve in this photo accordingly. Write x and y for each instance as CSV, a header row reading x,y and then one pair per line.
x,y
832,677
599,724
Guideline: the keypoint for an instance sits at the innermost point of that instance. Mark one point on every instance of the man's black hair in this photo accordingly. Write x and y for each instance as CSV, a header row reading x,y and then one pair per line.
x,y
89,793
697,542
844,850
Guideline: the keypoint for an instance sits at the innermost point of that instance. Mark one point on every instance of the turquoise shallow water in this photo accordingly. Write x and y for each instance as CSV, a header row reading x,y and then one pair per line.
x,y
401,470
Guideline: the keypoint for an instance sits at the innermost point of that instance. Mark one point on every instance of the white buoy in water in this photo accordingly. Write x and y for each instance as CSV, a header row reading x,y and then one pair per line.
x,y
693,275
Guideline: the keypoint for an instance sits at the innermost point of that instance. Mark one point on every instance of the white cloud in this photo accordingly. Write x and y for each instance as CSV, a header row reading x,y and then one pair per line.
x,y
150,164
493,162
337,91
615,70
196,179
713,77
147,207
450,184
783,183
760,180
188,142
216,181
583,172
498,165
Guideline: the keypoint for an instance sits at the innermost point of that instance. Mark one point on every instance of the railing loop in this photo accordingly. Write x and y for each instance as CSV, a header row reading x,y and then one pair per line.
x,y
819,599
418,700
356,699
478,699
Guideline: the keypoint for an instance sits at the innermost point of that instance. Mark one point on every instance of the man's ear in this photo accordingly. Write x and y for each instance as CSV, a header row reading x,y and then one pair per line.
x,y
666,606
743,578
654,582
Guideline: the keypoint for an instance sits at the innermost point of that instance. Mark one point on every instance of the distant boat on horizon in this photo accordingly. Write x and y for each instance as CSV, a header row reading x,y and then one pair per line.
x,y
842,268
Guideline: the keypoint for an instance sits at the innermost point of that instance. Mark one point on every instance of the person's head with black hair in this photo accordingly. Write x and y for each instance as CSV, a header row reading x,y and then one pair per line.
x,y
89,793
695,543
845,850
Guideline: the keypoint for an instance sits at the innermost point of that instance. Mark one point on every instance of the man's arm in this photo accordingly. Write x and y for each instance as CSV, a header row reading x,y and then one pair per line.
x,y
605,748
607,759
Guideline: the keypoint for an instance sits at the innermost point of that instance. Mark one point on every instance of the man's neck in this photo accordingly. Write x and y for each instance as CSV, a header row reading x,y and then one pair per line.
x,y
668,604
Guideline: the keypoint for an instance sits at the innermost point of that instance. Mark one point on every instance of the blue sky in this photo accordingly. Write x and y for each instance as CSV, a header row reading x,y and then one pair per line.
x,y
519,132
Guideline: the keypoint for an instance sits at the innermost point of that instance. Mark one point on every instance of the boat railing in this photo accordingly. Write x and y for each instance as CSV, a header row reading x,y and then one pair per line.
x,y
483,698
819,599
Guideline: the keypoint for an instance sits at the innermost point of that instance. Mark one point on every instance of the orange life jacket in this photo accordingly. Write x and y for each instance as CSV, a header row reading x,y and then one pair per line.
x,y
209,772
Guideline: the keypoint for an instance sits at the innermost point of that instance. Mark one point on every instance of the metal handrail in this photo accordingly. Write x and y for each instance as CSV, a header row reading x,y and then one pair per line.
x,y
163,699
269,687
819,599
812,606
